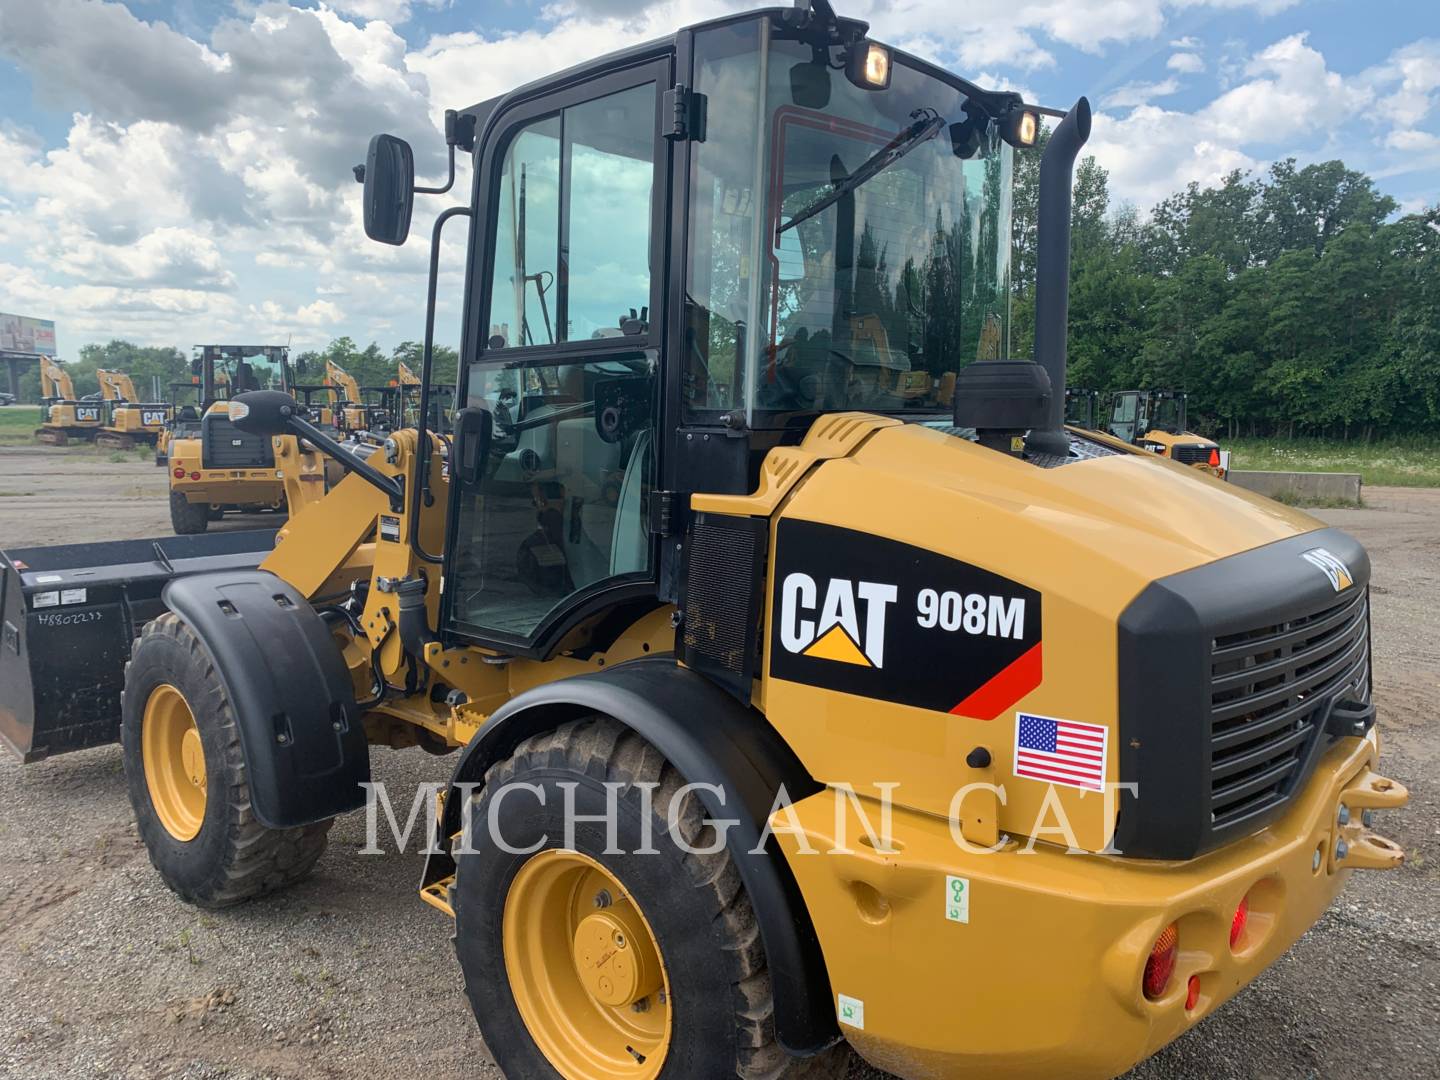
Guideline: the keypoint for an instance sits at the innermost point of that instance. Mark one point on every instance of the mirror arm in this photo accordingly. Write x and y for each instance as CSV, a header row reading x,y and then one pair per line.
x,y
389,485
421,486
459,131
448,183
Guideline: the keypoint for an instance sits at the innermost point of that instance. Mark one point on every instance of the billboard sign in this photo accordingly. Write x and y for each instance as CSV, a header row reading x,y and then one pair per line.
x,y
21,334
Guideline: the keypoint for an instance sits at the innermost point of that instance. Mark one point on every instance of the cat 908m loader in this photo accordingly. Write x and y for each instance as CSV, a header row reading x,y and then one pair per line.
x,y
735,551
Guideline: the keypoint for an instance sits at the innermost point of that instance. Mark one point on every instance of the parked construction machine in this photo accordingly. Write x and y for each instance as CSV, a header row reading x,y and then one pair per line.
x,y
129,421
65,417
809,681
1154,420
353,413
216,468
1081,403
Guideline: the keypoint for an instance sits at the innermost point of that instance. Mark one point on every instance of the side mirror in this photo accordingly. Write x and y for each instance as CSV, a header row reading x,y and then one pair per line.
x,y
263,412
473,428
389,189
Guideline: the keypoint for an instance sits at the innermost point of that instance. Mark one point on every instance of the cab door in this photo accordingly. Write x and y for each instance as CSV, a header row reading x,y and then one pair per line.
x,y
1124,418
568,277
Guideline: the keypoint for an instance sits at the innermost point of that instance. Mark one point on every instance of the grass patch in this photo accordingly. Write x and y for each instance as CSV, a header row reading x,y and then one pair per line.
x,y
19,418
1315,502
1394,463
18,424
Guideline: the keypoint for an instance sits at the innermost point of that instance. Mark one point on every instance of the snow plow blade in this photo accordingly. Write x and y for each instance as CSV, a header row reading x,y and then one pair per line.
x,y
68,616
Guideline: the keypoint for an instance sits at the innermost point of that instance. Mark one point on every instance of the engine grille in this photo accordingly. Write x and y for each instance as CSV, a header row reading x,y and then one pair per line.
x,y
1190,455
227,447
1271,690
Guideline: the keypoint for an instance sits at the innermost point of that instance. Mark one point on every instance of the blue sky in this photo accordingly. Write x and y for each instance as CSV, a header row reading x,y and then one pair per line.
x,y
177,170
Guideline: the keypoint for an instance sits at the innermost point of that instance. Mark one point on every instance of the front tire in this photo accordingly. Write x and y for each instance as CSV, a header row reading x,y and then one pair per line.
x,y
187,779
686,992
188,518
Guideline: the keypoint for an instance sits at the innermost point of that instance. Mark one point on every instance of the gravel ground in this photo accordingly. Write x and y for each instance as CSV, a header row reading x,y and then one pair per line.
x,y
103,973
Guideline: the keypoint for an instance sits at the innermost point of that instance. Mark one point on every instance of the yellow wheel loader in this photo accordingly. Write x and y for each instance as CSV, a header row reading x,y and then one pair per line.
x,y
129,421
1154,420
792,707
66,418
214,467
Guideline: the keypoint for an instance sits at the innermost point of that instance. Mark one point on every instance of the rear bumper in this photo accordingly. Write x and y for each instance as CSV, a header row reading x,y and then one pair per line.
x,y
1044,979
233,487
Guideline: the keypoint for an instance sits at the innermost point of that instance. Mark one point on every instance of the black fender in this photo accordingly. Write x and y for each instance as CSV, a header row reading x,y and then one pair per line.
x,y
306,754
710,738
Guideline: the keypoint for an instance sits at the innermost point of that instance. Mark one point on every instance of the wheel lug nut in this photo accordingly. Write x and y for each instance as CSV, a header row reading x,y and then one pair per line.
x,y
602,899
643,1005
1344,815
1367,818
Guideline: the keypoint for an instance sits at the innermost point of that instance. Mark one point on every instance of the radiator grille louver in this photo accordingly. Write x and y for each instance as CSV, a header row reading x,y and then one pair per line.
x,y
1271,690
1190,455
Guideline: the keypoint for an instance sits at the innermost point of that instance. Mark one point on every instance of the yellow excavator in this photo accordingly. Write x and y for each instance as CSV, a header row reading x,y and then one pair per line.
x,y
811,690
352,414
66,418
128,421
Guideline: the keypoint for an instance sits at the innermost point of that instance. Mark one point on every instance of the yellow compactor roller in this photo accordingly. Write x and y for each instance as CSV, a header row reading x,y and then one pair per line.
x,y
809,682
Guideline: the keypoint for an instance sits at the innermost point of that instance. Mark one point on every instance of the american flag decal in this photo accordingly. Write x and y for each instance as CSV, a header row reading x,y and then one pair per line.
x,y
1062,752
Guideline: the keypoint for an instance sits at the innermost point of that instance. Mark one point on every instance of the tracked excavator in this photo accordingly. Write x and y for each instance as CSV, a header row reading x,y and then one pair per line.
x,y
66,418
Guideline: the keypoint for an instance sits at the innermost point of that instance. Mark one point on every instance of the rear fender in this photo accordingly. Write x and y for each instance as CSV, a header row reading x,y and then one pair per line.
x,y
305,749
710,738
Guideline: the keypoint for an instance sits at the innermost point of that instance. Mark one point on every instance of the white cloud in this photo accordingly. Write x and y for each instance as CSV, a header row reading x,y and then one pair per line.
x,y
1132,94
1412,140
204,188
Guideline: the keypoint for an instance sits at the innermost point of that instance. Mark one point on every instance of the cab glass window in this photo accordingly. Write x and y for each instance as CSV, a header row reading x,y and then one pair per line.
x,y
571,256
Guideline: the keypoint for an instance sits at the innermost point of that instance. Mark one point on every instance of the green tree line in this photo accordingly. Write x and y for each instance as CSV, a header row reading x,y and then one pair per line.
x,y
1293,303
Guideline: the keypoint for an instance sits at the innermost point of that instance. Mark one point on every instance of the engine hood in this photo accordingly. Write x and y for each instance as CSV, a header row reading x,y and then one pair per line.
x,y
948,595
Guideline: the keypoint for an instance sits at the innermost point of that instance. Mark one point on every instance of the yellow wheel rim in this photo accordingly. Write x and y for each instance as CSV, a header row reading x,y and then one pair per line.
x,y
174,762
585,970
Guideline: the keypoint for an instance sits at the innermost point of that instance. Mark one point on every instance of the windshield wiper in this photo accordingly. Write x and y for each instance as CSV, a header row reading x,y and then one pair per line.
x,y
925,125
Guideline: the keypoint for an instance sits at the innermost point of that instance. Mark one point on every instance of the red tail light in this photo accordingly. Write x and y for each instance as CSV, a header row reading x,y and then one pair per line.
x,y
1161,964
1192,993
179,474
1215,458
1237,924
194,476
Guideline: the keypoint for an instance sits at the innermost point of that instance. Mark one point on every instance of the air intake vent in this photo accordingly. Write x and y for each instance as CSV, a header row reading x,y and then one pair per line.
x,y
227,447
1190,455
723,579
1271,691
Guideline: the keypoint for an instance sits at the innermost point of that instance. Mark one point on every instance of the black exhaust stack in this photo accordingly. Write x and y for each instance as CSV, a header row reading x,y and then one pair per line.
x,y
1052,270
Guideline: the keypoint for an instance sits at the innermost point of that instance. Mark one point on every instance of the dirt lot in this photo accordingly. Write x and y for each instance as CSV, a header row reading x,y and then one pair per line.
x,y
104,974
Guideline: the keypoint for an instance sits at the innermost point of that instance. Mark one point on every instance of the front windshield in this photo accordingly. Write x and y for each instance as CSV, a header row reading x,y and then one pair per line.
x,y
1169,415
843,285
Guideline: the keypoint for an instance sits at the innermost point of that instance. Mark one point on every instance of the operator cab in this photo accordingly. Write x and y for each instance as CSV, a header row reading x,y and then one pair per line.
x,y
681,256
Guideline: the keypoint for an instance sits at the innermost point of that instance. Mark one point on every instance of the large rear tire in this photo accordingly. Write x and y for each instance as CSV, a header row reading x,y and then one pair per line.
x,y
187,780
186,517
684,992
